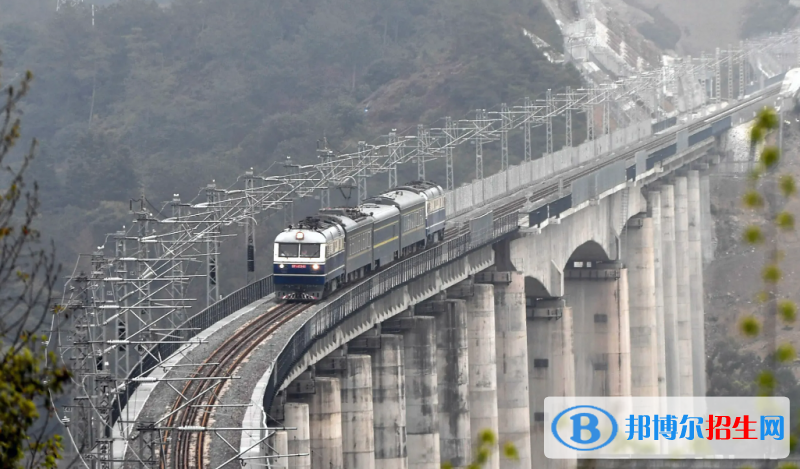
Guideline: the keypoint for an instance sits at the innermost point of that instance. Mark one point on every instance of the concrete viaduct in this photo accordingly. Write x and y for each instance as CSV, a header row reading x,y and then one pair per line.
x,y
600,296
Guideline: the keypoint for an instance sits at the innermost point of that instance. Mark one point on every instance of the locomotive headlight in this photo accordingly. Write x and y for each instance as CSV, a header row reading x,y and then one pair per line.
x,y
315,266
281,266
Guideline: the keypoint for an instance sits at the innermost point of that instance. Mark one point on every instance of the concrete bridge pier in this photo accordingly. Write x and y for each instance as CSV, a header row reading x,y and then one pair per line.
x,y
637,242
325,423
358,444
453,381
696,283
483,366
551,369
279,445
511,341
654,211
598,296
708,221
389,403
299,441
422,396
684,304
670,290
482,362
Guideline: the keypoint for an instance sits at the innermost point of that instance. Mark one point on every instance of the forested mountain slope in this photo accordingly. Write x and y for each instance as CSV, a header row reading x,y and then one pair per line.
x,y
158,100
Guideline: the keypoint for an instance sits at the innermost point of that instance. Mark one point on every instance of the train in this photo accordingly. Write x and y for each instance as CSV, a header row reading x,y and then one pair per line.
x,y
790,88
338,246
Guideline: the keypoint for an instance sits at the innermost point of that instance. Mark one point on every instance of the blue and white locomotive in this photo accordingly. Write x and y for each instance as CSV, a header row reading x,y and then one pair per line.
x,y
340,245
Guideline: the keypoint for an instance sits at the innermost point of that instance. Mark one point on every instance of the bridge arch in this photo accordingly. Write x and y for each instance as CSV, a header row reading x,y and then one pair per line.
x,y
535,288
590,251
591,230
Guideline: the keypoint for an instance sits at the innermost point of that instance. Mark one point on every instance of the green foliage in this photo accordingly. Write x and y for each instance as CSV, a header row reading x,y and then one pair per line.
x,y
29,375
771,273
785,221
487,437
510,451
787,185
753,200
766,383
753,235
787,310
785,353
756,134
770,156
750,326
483,447
767,119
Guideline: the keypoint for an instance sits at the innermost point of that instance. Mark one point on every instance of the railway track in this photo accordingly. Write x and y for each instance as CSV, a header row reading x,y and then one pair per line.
x,y
518,203
187,449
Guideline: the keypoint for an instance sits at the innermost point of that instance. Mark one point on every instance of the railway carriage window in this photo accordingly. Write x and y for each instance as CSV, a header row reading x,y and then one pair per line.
x,y
309,250
334,247
288,249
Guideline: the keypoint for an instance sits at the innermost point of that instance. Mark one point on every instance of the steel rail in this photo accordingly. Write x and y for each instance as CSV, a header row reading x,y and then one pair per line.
x,y
227,357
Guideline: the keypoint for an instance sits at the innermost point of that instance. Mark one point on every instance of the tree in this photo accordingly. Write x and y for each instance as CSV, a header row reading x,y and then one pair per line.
x,y
767,194
30,376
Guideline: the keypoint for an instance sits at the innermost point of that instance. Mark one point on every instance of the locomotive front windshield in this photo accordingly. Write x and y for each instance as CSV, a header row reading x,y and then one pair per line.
x,y
299,250
309,250
288,249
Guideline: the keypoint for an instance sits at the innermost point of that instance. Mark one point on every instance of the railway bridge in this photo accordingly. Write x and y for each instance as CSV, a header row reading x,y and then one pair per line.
x,y
576,273
596,290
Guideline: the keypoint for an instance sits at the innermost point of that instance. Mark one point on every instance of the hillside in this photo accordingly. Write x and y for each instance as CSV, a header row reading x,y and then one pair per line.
x,y
181,95
733,281
699,26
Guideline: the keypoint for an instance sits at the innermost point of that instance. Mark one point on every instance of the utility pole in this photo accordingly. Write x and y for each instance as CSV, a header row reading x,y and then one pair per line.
x,y
212,246
549,121
505,119
249,227
363,162
527,128
393,158
480,115
568,118
422,149
450,137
